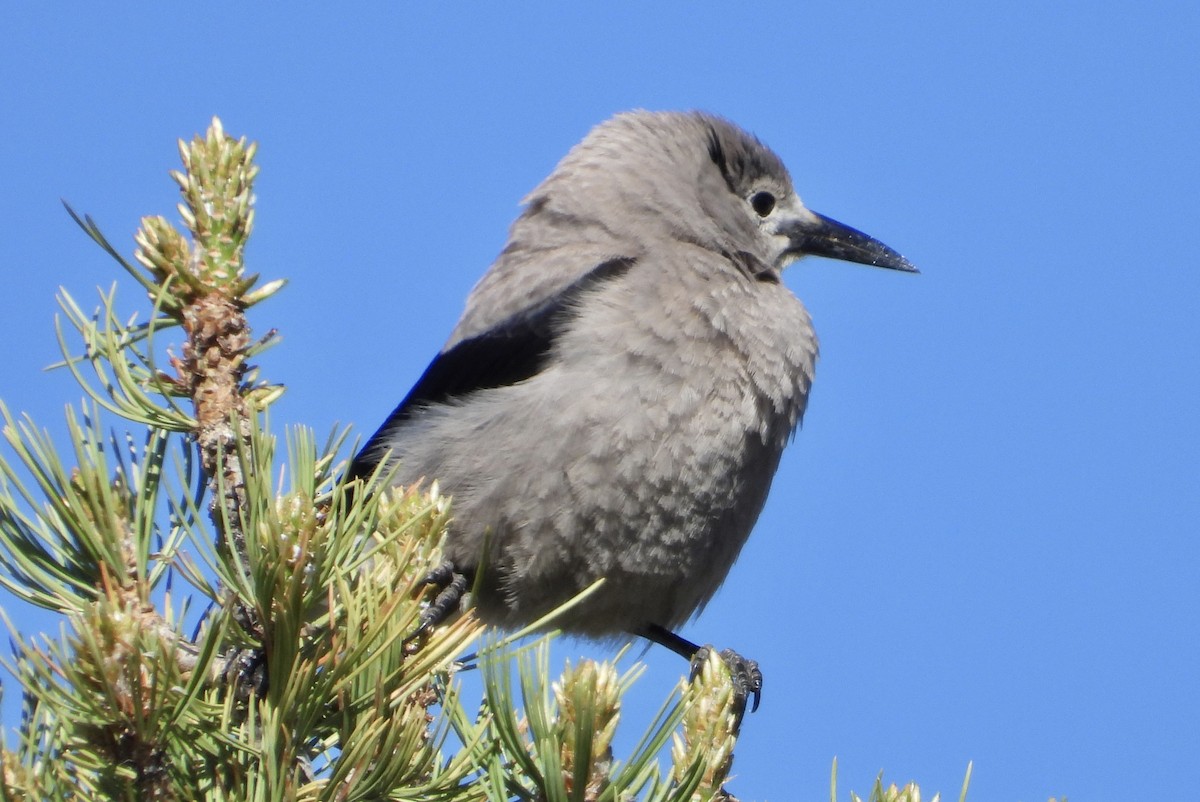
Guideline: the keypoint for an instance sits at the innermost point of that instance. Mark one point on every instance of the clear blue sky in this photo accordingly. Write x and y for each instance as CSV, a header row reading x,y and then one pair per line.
x,y
982,545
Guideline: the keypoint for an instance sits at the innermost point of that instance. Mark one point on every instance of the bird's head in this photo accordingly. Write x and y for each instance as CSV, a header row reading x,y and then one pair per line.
x,y
698,178
760,205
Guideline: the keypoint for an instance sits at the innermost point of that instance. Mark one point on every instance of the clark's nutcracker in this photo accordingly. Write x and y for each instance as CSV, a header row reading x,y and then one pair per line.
x,y
615,399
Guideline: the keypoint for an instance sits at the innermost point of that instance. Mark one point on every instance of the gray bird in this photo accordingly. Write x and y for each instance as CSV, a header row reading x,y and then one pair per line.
x,y
615,399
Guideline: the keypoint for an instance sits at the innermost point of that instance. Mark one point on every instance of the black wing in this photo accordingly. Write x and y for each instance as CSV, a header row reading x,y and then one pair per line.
x,y
508,353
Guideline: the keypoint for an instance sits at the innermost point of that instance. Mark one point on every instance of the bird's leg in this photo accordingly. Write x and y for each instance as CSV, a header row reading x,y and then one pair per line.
x,y
746,677
665,637
452,585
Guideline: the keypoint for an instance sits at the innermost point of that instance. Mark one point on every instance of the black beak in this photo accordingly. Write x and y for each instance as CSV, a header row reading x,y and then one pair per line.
x,y
823,236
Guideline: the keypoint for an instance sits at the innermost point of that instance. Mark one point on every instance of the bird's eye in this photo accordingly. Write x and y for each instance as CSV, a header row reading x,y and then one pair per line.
x,y
763,203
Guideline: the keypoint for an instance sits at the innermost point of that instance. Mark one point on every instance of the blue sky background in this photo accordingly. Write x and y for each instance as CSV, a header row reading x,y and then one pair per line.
x,y
983,544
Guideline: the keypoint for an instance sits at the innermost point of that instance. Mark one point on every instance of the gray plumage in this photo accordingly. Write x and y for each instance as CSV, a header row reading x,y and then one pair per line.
x,y
616,397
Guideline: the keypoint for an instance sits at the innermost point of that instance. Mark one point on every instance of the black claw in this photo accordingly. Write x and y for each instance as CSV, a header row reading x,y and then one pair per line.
x,y
453,586
744,673
747,679
697,662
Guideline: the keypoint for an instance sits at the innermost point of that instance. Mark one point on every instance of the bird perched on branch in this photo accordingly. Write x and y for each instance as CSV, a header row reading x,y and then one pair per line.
x,y
615,399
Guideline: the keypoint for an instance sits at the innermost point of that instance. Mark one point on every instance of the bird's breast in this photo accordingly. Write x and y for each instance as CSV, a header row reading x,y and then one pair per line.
x,y
709,342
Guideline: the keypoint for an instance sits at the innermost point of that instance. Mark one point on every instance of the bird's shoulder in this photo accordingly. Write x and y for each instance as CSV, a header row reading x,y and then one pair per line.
x,y
525,285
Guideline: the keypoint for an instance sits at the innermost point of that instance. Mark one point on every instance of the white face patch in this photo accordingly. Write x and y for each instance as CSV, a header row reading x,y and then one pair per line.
x,y
774,228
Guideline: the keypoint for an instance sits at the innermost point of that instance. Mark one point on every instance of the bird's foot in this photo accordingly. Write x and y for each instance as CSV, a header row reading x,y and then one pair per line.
x,y
452,585
244,672
747,679
744,673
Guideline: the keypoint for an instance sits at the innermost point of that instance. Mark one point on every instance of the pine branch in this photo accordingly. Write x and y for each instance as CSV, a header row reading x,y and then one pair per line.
x,y
209,295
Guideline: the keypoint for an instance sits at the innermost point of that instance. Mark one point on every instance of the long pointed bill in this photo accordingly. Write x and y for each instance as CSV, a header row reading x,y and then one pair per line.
x,y
824,236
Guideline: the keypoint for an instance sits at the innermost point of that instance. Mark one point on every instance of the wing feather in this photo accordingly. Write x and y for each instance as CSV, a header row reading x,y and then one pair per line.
x,y
512,351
